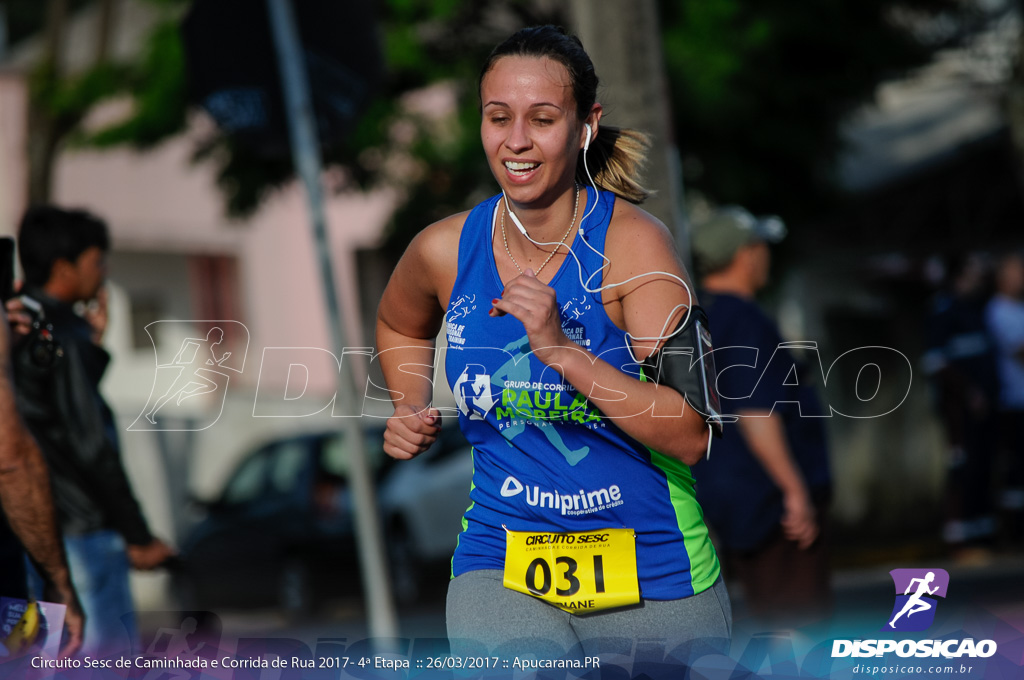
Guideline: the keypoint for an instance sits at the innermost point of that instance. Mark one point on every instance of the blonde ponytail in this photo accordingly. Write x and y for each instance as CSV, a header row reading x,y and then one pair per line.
x,y
616,159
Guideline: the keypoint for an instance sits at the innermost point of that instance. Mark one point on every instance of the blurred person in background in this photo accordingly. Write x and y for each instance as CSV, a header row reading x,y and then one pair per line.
x,y
961,362
57,374
766,486
28,519
1005,317
561,408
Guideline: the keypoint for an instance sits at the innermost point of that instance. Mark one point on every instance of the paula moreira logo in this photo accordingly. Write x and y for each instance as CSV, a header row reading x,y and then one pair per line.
x,y
916,593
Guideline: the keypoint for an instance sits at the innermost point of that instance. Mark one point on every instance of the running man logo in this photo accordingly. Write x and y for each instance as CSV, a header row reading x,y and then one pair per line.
x,y
916,590
193,371
473,392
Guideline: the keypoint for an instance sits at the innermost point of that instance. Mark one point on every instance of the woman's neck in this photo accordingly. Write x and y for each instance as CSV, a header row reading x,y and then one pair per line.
x,y
546,224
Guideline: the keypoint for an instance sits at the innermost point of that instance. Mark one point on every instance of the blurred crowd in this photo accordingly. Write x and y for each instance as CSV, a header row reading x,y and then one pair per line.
x,y
975,360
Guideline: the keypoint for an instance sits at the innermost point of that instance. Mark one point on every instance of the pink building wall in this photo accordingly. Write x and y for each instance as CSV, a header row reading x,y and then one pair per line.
x,y
160,201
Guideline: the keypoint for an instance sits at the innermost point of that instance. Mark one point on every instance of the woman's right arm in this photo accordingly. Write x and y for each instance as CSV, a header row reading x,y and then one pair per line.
x,y
408,319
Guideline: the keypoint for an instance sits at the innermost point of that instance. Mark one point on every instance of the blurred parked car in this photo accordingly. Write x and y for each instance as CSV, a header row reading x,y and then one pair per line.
x,y
423,501
282,531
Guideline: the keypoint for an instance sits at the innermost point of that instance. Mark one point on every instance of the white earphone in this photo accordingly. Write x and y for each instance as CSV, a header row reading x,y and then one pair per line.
x,y
586,143
515,220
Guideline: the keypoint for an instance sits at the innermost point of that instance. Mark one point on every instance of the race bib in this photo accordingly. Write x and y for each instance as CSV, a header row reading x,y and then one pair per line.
x,y
579,572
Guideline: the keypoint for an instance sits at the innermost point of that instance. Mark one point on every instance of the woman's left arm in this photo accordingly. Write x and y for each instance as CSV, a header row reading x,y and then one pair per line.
x,y
650,306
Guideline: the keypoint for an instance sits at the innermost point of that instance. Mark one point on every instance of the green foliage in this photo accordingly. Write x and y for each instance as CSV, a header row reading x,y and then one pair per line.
x,y
155,83
456,177
760,89
157,86
759,93
424,43
70,98
706,50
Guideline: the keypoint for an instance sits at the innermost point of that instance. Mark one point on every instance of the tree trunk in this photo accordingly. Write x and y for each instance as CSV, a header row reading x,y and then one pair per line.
x,y
45,130
104,30
42,152
623,39
41,137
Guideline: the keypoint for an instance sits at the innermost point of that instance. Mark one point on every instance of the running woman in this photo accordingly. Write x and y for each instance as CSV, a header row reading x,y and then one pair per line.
x,y
582,522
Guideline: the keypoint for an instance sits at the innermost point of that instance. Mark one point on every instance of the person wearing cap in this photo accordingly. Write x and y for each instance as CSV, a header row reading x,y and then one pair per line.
x,y
766,485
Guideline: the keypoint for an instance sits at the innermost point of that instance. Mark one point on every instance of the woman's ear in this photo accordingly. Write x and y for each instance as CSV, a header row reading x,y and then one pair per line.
x,y
590,126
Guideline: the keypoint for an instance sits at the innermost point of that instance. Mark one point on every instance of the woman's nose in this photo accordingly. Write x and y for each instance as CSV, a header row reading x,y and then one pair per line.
x,y
518,139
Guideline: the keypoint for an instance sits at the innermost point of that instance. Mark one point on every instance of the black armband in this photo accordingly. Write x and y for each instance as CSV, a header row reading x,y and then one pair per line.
x,y
686,364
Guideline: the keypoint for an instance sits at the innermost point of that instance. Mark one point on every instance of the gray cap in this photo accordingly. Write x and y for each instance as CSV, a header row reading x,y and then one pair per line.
x,y
717,238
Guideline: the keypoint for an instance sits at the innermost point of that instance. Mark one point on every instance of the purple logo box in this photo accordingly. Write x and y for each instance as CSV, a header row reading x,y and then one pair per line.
x,y
916,600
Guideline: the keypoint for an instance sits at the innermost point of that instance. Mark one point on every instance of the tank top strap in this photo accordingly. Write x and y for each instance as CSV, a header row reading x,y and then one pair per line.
x,y
476,231
595,232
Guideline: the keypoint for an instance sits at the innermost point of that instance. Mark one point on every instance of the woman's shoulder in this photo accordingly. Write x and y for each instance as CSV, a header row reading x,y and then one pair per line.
x,y
645,278
631,225
639,242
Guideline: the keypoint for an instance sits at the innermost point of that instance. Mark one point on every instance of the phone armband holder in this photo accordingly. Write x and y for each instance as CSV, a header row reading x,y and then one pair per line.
x,y
686,364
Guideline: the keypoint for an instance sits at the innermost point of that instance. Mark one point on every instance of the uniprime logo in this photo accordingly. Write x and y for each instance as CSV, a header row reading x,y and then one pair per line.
x,y
914,610
916,593
190,365
569,504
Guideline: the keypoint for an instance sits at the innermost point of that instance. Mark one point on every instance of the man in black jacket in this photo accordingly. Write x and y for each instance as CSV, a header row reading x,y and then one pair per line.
x,y
28,511
63,255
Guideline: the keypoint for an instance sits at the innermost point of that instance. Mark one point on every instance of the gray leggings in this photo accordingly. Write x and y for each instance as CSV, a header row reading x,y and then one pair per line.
x,y
487,619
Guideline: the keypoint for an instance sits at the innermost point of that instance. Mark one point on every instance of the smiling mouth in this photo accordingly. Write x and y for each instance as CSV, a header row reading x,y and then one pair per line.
x,y
520,167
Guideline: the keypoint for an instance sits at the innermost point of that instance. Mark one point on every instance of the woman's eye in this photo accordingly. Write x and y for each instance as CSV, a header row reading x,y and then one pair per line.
x,y
499,120
544,121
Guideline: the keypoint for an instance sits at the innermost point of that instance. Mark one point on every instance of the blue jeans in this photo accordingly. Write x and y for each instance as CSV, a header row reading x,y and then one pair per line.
x,y
99,571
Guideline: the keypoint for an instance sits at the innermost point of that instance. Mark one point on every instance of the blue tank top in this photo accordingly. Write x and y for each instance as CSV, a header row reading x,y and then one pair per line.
x,y
544,458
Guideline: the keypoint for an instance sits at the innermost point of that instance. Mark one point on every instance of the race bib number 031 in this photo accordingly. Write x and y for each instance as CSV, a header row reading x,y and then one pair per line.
x,y
579,572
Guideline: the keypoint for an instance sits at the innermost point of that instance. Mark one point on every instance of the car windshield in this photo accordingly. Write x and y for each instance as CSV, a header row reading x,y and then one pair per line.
x,y
289,457
334,456
247,483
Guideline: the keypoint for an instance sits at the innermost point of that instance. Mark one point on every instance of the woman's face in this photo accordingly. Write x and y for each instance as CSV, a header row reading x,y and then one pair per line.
x,y
529,129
